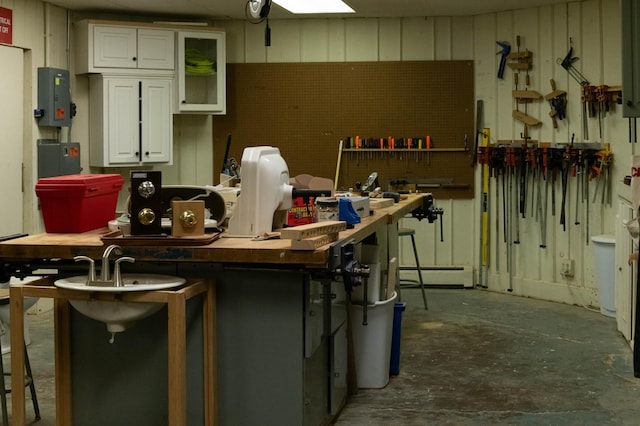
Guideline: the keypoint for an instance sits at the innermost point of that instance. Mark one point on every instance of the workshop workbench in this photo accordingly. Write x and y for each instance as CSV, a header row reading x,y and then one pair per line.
x,y
260,329
223,250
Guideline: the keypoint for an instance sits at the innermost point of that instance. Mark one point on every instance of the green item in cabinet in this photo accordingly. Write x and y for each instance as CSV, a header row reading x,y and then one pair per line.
x,y
198,63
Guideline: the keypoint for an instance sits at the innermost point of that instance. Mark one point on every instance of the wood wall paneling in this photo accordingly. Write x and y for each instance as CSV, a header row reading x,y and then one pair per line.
x,y
305,109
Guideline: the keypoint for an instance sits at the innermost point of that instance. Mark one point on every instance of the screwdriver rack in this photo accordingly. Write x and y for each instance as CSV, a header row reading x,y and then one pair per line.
x,y
392,145
410,160
387,150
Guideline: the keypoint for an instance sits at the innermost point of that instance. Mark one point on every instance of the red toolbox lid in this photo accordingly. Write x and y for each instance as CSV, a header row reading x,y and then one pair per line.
x,y
90,183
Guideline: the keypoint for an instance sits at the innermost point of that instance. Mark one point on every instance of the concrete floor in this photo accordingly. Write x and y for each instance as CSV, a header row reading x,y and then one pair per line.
x,y
478,357
475,357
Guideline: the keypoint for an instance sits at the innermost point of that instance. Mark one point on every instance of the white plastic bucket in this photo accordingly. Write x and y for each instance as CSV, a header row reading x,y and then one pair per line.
x,y
372,342
605,253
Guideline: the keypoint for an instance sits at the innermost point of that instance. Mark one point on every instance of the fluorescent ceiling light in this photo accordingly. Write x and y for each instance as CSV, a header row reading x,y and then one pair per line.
x,y
314,6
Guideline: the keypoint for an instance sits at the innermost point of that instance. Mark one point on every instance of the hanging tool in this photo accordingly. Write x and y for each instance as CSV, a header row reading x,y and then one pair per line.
x,y
478,131
636,333
509,216
335,181
601,170
585,196
577,172
505,49
532,165
525,97
543,216
558,102
539,204
602,97
484,209
225,165
565,177
496,168
519,61
567,63
515,65
522,166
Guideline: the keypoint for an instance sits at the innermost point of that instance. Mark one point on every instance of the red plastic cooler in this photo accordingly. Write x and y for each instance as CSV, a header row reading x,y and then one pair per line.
x,y
78,203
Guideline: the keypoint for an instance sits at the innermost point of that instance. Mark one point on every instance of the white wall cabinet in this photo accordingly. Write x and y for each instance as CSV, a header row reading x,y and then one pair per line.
x,y
201,65
131,121
105,48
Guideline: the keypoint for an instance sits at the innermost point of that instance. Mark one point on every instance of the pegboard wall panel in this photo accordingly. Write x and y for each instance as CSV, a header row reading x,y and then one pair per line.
x,y
305,109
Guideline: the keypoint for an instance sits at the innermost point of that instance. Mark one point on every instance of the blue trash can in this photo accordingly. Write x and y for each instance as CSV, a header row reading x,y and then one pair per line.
x,y
394,364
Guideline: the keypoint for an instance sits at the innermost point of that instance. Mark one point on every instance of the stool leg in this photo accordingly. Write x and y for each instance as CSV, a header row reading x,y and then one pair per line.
x,y
32,385
3,394
415,254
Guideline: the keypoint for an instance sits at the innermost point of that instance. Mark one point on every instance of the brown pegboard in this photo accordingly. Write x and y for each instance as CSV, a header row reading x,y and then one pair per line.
x,y
305,109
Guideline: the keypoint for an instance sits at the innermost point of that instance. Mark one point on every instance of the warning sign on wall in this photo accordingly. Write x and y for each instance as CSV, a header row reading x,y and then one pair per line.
x,y
5,25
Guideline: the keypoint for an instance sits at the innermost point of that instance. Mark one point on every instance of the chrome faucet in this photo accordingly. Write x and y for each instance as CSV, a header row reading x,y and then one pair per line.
x,y
91,276
104,271
105,277
117,277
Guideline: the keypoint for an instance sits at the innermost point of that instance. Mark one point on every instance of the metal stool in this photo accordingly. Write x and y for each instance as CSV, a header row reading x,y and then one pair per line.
x,y
28,377
403,232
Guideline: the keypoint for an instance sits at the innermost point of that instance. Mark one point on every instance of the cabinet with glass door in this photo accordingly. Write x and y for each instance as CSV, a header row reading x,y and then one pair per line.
x,y
201,87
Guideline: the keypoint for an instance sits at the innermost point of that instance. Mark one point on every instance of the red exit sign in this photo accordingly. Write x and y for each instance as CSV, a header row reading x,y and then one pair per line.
x,y
6,18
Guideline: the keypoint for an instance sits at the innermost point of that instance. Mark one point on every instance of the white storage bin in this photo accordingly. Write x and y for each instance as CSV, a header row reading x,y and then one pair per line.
x,y
372,342
605,254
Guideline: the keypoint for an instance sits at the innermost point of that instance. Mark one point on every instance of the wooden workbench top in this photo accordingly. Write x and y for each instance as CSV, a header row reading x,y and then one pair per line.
x,y
223,250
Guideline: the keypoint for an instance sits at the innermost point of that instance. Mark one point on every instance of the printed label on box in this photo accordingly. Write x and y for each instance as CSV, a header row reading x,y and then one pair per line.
x,y
300,213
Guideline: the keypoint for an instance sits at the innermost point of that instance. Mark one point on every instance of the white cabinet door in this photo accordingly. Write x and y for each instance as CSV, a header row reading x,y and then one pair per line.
x,y
201,72
122,121
114,47
625,274
156,122
131,122
156,49
131,48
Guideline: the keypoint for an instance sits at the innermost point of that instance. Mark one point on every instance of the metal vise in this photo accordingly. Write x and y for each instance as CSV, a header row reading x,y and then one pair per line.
x,y
429,211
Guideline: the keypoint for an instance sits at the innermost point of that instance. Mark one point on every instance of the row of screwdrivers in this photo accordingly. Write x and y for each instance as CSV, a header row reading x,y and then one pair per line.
x,y
356,142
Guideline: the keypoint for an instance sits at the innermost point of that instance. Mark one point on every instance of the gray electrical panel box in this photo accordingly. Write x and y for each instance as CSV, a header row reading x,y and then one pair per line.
x,y
58,159
54,98
630,58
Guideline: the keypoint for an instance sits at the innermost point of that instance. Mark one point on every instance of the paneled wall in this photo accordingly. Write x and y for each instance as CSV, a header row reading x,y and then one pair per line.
x,y
39,30
592,26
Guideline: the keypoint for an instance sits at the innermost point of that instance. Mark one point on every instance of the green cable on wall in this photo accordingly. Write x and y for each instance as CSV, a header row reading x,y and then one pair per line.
x,y
197,63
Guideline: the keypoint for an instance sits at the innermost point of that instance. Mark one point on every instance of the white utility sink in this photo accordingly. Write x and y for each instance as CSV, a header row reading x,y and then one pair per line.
x,y
132,282
118,315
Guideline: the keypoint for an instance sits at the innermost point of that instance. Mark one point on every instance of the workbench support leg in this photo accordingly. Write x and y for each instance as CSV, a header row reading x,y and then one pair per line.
x,y
62,339
177,356
16,312
209,318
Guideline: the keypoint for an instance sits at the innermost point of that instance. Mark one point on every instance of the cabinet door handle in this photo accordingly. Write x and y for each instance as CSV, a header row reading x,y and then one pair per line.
x,y
146,153
183,101
134,59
